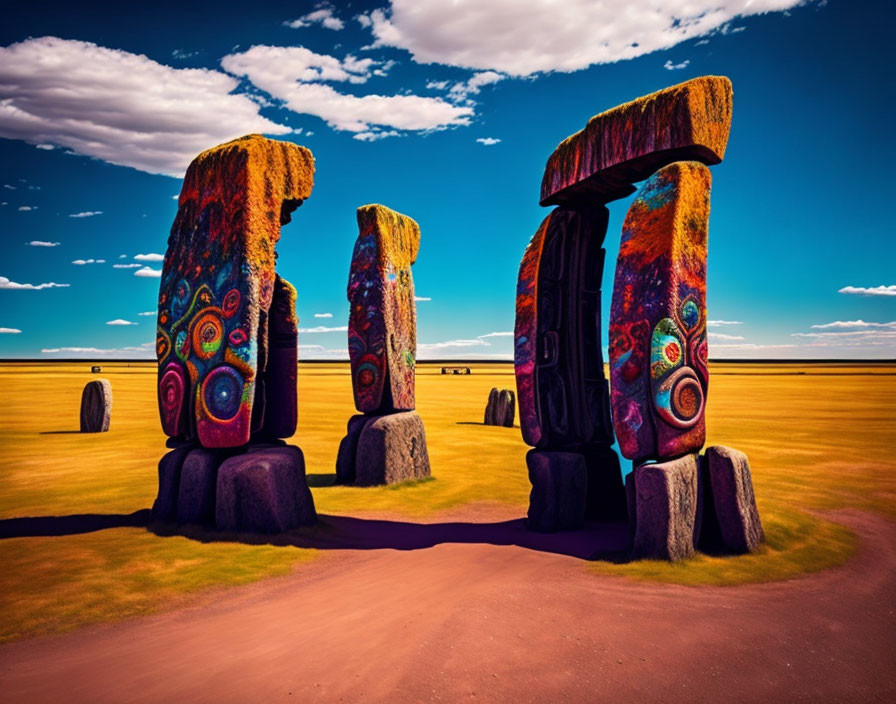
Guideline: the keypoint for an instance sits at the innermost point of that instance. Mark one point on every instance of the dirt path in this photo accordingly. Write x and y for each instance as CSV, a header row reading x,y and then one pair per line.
x,y
449,621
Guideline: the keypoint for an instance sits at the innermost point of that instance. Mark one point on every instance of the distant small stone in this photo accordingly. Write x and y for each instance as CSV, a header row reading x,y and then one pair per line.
x,y
735,503
501,408
559,489
264,492
96,406
666,507
391,449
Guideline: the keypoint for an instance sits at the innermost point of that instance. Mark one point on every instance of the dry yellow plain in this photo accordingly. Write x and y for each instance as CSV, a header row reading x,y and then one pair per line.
x,y
819,437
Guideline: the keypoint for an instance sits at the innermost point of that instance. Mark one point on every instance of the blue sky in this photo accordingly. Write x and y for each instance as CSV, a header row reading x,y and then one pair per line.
x,y
446,112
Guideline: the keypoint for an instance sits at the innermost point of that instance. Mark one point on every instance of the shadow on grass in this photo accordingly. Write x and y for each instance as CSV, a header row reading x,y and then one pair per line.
x,y
317,481
71,525
61,432
474,422
597,541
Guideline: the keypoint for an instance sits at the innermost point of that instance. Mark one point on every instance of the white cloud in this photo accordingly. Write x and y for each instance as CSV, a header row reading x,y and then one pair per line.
x,y
10,331
82,262
8,187
22,208
488,141
853,335
720,336
430,346
324,328
873,291
5,283
149,312
669,66
422,298
373,136
323,315
363,20
127,266
148,272
181,54
496,334
120,107
437,85
702,42
720,323
292,74
41,243
124,256
151,257
460,91
323,16
855,324
86,214
144,351
119,321
543,35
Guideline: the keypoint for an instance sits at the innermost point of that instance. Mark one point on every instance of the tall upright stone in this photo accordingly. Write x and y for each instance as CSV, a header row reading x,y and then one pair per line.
x,y
96,406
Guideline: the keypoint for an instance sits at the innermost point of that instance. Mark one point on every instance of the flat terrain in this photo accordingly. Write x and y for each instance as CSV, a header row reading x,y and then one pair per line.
x,y
435,590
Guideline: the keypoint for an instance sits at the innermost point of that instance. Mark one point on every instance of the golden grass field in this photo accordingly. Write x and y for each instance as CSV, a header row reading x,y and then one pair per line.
x,y
819,437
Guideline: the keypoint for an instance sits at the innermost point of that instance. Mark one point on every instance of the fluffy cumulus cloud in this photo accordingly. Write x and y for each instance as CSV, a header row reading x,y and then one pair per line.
x,y
669,66
323,315
488,141
120,107
151,257
8,285
119,322
296,76
147,272
323,16
82,262
544,35
869,291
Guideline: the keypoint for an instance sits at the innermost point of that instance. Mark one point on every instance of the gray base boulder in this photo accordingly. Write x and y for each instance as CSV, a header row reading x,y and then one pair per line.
x,y
198,480
264,491
391,449
348,449
733,498
666,497
559,490
96,406
501,408
164,509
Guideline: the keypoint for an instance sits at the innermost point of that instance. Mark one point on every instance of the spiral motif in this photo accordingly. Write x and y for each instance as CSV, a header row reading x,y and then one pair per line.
x,y
208,333
679,400
231,303
172,387
222,393
368,371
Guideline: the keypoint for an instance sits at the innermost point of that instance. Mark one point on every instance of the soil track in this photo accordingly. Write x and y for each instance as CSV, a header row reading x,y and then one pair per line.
x,y
461,612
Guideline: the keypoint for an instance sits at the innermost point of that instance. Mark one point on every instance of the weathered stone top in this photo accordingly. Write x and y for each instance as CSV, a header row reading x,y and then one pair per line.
x,y
398,235
624,145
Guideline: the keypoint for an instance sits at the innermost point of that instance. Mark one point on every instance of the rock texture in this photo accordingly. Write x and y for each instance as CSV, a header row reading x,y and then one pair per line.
x,y
733,498
658,351
501,408
624,145
264,492
216,292
198,482
666,496
563,395
559,486
164,509
348,449
96,406
391,449
382,326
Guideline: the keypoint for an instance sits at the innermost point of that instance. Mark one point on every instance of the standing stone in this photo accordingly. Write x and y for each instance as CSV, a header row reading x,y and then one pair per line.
x,y
733,498
605,499
559,488
264,492
348,449
280,416
501,408
198,481
382,325
658,352
666,505
391,449
216,291
164,509
96,406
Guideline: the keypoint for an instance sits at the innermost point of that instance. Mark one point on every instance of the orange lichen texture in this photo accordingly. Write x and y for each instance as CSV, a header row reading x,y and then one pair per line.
x,y
218,282
624,145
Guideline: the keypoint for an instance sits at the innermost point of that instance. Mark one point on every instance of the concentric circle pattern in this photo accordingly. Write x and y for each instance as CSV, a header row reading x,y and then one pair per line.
x,y
208,333
679,399
222,393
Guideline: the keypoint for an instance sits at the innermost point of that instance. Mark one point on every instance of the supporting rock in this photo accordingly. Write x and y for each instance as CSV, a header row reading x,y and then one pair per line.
x,y
391,449
96,406
164,509
559,487
348,449
732,495
196,493
264,492
666,498
501,408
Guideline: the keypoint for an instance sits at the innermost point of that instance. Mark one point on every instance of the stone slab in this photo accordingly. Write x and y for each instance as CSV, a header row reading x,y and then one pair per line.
x,y
733,498
196,492
501,408
164,508
559,489
392,448
666,506
348,449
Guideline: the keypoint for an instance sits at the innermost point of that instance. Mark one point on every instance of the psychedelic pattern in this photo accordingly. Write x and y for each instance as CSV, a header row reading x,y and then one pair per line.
x,y
658,350
563,393
218,286
382,327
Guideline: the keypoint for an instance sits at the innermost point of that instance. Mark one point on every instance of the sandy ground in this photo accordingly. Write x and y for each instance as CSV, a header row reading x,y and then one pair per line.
x,y
487,612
